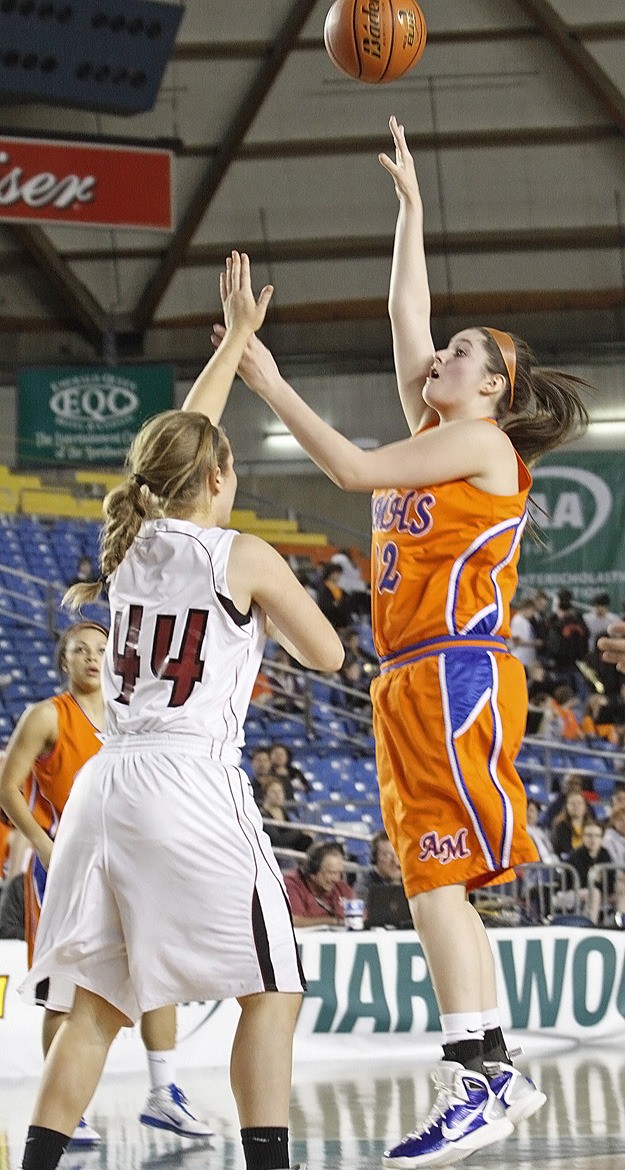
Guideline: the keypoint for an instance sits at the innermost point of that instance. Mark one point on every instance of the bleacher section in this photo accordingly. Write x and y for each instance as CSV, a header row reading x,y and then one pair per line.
x,y
82,498
333,746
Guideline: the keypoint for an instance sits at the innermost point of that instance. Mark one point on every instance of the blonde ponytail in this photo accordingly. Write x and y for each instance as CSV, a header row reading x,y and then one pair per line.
x,y
169,462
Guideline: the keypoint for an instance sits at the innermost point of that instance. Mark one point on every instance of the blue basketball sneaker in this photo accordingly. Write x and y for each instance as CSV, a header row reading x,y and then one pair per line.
x,y
518,1094
466,1116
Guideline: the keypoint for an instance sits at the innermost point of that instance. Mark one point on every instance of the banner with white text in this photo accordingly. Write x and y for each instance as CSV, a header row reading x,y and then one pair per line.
x,y
87,416
578,504
369,994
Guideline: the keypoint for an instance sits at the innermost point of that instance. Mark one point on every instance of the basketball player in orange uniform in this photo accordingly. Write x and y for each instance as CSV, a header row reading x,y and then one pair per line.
x,y
449,508
51,742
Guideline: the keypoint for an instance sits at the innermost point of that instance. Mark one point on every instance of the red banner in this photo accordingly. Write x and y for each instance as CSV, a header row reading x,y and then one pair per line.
x,y
75,182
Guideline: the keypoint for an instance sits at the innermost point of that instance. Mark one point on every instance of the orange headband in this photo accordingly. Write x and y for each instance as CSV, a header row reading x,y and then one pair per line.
x,y
507,349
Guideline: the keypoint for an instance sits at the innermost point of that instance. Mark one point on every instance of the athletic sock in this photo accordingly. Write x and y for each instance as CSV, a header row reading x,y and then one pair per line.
x,y
162,1069
265,1147
44,1148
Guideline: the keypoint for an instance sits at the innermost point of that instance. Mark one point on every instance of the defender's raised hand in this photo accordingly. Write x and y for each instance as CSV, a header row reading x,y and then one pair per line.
x,y
241,309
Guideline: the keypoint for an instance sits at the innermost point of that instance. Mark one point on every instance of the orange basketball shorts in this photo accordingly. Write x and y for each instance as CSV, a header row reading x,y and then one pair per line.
x,y
448,727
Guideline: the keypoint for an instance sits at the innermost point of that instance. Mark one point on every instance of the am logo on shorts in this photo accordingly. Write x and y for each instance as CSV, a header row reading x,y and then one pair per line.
x,y
444,849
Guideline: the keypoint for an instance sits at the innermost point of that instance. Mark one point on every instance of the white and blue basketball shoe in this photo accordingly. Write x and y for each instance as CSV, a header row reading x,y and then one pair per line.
x,y
466,1116
168,1108
518,1094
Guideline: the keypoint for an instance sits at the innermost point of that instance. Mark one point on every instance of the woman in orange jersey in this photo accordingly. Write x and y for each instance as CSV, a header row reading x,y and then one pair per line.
x,y
449,508
51,742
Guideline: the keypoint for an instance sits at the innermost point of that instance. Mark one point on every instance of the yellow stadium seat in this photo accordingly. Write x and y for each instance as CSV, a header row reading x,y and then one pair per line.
x,y
8,500
107,479
89,509
48,503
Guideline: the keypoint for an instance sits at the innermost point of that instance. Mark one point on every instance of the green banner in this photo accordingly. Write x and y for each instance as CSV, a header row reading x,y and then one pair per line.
x,y
81,416
578,505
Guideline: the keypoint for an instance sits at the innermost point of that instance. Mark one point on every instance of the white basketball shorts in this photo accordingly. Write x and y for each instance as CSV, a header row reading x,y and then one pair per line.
x,y
163,887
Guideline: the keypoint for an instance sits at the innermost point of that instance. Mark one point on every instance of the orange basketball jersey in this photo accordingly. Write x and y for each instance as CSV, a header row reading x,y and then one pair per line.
x,y
450,702
50,783
47,790
443,563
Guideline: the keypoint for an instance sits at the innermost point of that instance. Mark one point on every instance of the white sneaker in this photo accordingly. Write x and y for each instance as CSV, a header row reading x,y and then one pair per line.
x,y
518,1094
84,1135
466,1116
167,1108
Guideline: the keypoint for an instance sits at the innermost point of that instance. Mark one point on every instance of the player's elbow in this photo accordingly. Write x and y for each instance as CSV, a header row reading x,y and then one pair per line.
x,y
349,477
329,652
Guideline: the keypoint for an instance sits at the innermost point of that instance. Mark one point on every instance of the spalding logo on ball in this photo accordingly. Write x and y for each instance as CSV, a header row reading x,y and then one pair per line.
x,y
375,40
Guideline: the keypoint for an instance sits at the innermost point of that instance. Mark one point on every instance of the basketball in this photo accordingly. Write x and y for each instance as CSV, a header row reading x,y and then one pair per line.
x,y
375,41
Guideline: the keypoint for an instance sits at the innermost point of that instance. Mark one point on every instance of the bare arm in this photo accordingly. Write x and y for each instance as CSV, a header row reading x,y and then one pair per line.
x,y
243,316
472,449
256,572
409,302
35,734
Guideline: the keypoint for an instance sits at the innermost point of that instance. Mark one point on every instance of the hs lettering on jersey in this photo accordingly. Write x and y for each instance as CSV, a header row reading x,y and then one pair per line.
x,y
444,849
408,511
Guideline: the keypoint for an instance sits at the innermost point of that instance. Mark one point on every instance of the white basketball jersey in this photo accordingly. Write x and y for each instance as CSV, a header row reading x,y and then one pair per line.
x,y
180,657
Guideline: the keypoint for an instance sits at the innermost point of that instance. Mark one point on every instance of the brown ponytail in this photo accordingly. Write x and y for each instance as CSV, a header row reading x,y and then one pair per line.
x,y
168,464
547,409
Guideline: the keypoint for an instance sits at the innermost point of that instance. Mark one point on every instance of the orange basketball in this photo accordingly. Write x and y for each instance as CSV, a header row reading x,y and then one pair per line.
x,y
375,40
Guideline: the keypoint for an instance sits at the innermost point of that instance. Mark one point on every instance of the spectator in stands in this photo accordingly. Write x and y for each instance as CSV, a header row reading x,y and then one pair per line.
x,y
292,777
562,721
567,642
353,675
260,767
595,725
569,825
591,852
12,916
331,599
538,680
351,582
617,800
522,640
614,837
540,620
288,688
353,649
384,868
317,889
285,835
538,833
85,572
569,782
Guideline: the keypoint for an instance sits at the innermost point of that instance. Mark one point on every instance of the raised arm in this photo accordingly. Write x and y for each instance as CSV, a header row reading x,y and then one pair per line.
x,y
35,734
409,302
470,449
243,315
